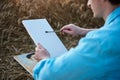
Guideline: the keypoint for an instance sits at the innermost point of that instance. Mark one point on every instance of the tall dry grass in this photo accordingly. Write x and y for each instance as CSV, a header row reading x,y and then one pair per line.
x,y
57,12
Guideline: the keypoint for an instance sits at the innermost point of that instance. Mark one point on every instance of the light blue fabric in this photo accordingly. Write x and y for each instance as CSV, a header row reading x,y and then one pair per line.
x,y
96,57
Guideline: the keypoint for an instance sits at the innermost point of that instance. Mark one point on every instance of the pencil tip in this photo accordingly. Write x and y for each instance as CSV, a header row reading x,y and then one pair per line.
x,y
46,31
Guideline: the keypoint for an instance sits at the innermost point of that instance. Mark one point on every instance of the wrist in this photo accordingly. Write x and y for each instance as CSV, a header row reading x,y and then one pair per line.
x,y
84,31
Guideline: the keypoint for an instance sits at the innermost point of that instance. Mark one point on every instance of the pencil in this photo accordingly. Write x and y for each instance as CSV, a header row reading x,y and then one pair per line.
x,y
52,31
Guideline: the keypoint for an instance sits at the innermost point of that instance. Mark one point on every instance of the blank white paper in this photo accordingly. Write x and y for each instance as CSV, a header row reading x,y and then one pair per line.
x,y
36,29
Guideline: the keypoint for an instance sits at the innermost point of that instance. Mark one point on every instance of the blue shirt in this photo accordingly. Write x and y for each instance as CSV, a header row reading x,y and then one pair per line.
x,y
96,57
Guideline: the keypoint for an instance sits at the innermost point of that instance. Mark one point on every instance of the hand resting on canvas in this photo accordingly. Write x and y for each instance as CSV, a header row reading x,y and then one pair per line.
x,y
41,53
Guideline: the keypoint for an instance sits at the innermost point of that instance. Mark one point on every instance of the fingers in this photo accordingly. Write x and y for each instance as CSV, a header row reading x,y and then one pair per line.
x,y
66,29
41,53
38,53
39,46
36,58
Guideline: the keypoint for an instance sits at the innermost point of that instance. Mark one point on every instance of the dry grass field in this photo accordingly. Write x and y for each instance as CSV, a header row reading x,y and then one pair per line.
x,y
15,40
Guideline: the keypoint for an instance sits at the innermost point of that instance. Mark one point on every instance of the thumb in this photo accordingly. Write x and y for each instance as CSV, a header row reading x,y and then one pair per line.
x,y
39,46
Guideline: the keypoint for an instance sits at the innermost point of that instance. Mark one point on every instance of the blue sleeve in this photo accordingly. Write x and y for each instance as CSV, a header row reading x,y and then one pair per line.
x,y
96,57
79,63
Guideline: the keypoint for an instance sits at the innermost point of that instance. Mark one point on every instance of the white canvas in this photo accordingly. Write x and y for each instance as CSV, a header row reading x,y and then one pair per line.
x,y
37,30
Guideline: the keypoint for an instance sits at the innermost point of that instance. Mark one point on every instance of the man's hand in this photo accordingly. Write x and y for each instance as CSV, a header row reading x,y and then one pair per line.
x,y
41,53
74,30
70,29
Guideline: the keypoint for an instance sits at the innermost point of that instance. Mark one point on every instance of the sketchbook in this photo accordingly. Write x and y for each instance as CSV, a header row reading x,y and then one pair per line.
x,y
37,28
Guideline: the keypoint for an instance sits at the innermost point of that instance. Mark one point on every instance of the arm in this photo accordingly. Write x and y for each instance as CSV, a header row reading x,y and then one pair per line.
x,y
81,63
74,30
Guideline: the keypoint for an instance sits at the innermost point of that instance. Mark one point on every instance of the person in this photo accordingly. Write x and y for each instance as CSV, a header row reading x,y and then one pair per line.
x,y
97,55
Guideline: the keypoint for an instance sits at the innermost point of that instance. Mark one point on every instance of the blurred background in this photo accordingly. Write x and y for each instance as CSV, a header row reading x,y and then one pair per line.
x,y
14,39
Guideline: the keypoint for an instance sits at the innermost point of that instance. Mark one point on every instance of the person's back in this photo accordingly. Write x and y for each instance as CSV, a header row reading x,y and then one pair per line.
x,y
112,53
107,42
